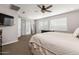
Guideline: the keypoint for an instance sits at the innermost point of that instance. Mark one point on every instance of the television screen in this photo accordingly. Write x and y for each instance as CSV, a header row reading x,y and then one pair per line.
x,y
6,20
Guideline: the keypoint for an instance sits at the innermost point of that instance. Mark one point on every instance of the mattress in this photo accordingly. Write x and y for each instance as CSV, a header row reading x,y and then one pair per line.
x,y
58,43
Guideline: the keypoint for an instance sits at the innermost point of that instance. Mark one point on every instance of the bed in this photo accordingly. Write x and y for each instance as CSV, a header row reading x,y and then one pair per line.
x,y
54,43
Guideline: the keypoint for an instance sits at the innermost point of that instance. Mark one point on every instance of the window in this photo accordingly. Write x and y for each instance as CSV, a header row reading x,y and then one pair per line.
x,y
42,25
59,24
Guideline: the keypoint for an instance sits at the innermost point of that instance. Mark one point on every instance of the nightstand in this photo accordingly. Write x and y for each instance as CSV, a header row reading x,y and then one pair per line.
x,y
42,31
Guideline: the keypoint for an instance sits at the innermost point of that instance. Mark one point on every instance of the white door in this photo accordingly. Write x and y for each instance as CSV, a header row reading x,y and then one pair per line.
x,y
28,27
23,27
19,27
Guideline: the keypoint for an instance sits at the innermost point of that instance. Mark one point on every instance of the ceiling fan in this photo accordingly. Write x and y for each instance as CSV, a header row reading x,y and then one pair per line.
x,y
44,8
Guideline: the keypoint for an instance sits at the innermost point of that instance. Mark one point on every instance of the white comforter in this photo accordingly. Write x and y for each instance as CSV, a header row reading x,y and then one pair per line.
x,y
58,43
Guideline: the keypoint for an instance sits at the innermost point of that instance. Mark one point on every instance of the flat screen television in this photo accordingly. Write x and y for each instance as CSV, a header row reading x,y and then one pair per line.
x,y
6,20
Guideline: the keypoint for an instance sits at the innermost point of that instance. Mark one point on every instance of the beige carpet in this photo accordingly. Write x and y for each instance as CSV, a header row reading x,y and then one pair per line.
x,y
18,48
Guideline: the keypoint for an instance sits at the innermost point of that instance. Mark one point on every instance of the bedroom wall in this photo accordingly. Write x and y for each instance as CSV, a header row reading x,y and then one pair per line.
x,y
72,19
9,32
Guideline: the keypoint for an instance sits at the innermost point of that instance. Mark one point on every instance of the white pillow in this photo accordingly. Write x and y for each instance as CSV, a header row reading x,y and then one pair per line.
x,y
76,33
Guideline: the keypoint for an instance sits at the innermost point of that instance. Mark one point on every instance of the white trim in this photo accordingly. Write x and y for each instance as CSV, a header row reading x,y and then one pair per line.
x,y
9,42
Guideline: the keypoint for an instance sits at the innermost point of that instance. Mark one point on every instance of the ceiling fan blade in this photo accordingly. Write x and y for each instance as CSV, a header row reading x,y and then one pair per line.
x,y
49,7
48,10
39,6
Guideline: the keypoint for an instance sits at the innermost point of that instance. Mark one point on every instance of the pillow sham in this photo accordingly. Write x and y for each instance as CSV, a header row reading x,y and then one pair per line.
x,y
76,33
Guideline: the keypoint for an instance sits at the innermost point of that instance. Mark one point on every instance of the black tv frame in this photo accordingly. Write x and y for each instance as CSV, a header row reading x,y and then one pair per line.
x,y
2,16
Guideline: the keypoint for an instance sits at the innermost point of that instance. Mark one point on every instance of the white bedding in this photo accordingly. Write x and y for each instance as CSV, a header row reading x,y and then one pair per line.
x,y
58,43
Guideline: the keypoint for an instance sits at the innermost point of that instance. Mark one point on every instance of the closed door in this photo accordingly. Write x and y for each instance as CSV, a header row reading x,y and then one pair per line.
x,y
23,27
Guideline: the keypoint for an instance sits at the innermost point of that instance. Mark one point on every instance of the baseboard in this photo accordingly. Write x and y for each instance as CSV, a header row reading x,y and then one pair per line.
x,y
10,42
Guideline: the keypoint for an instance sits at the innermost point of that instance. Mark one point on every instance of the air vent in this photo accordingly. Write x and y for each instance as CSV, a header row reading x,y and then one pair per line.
x,y
14,7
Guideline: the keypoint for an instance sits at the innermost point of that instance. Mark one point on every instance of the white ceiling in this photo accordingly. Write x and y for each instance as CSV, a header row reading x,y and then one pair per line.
x,y
33,12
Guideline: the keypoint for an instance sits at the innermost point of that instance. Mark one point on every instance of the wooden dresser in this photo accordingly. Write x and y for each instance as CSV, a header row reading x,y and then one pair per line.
x,y
0,41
